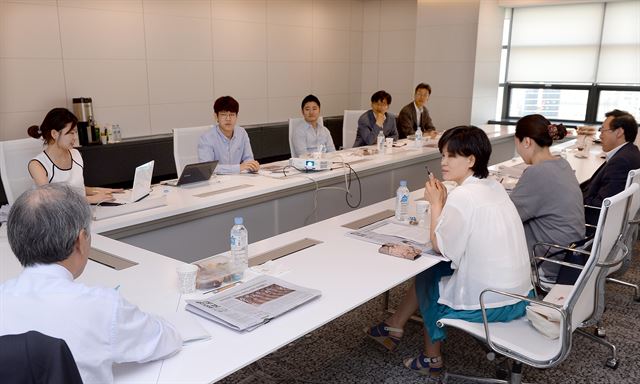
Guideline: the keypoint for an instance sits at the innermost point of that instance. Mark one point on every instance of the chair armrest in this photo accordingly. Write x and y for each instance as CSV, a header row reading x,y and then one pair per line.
x,y
608,264
508,352
566,264
542,244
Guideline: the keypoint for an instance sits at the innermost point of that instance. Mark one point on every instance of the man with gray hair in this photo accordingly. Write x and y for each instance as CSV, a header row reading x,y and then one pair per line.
x,y
49,232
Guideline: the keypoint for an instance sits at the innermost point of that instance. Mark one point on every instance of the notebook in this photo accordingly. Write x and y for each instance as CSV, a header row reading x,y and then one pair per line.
x,y
194,173
141,186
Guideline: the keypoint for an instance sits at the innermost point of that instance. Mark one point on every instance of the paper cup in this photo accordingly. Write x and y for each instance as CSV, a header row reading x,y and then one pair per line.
x,y
187,278
422,210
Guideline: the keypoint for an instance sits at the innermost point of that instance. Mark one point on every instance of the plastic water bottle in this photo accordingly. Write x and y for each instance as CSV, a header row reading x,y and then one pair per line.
x,y
117,134
239,240
418,138
380,142
402,201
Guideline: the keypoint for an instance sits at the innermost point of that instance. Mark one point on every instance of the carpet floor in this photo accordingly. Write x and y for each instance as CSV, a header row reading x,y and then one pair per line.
x,y
340,353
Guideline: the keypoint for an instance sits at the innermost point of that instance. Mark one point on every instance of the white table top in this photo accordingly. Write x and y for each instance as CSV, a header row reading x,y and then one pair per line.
x,y
184,200
347,271
583,167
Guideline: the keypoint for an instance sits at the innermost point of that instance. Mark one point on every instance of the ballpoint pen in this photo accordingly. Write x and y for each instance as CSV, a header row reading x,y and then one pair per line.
x,y
220,289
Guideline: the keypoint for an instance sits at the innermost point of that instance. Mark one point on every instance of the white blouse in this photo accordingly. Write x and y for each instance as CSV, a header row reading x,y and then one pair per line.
x,y
72,176
480,230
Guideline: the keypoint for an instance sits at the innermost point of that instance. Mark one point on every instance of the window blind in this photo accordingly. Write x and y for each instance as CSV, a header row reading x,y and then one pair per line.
x,y
555,44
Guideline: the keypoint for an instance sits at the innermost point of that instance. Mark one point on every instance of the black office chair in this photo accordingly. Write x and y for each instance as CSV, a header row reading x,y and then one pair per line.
x,y
34,358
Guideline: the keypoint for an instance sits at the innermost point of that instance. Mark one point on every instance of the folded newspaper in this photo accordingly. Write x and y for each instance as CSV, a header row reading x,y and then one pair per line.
x,y
249,305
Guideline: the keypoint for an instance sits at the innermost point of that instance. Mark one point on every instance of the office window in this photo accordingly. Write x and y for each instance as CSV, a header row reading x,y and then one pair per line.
x,y
557,104
572,62
625,100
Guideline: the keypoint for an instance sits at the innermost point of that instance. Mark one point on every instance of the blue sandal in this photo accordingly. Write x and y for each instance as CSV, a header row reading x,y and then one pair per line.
x,y
380,333
422,365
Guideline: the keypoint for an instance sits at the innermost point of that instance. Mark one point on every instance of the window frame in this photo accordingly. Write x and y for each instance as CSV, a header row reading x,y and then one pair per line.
x,y
593,98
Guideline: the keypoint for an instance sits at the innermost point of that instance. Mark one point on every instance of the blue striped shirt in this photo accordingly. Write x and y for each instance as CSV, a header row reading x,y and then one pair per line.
x,y
230,153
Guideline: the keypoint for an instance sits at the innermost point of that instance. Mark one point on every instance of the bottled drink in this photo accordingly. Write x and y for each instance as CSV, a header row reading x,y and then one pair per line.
x,y
418,138
239,240
402,201
380,142
117,134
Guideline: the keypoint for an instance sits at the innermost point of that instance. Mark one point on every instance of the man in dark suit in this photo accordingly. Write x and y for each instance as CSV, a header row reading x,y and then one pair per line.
x,y
618,132
375,120
415,114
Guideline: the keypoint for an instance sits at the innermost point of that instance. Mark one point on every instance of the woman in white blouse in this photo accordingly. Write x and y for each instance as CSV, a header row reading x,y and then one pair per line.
x,y
60,162
478,228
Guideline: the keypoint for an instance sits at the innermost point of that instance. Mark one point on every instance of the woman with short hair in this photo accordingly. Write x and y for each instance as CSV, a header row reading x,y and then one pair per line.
x,y
478,229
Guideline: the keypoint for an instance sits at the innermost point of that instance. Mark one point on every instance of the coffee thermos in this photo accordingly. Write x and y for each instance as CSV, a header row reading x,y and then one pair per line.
x,y
83,109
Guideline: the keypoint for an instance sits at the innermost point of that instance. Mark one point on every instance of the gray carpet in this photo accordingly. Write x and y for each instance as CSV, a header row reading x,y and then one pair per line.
x,y
340,353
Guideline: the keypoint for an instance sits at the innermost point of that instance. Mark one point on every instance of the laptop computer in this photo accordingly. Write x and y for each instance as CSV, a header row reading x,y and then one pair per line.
x,y
194,173
141,187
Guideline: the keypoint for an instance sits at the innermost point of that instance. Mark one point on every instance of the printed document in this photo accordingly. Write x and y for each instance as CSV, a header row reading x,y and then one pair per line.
x,y
249,305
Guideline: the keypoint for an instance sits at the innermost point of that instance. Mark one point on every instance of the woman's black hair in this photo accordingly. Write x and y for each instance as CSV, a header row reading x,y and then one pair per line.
x,y
539,129
57,119
467,140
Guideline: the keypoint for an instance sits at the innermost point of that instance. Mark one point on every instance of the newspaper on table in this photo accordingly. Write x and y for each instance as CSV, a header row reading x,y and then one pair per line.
x,y
393,231
251,304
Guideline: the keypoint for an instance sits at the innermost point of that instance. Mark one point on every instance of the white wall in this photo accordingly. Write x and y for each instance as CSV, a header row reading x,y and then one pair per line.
x,y
445,57
487,62
452,45
152,65
388,54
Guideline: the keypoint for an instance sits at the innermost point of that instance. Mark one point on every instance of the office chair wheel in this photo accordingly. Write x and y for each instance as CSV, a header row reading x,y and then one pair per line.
x,y
600,332
612,363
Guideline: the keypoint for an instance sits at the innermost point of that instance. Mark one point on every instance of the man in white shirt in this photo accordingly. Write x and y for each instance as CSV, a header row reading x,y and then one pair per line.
x,y
310,135
49,232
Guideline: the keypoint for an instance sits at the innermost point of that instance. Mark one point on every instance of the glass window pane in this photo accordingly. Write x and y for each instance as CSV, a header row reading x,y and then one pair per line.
x,y
624,100
558,104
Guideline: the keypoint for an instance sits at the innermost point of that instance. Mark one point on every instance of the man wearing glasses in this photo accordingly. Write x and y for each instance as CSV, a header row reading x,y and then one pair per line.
x,y
617,135
415,115
376,119
227,142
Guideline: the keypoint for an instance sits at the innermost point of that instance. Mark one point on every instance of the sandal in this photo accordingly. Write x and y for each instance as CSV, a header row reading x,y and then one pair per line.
x,y
380,333
422,365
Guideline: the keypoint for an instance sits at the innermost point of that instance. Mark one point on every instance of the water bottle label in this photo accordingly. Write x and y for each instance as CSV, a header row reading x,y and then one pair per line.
x,y
404,199
235,241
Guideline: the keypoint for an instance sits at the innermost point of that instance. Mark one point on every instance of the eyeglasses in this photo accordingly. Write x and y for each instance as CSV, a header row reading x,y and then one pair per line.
x,y
227,115
605,130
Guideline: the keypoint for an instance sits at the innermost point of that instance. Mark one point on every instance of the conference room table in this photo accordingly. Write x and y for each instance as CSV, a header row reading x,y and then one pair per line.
x,y
347,271
196,220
